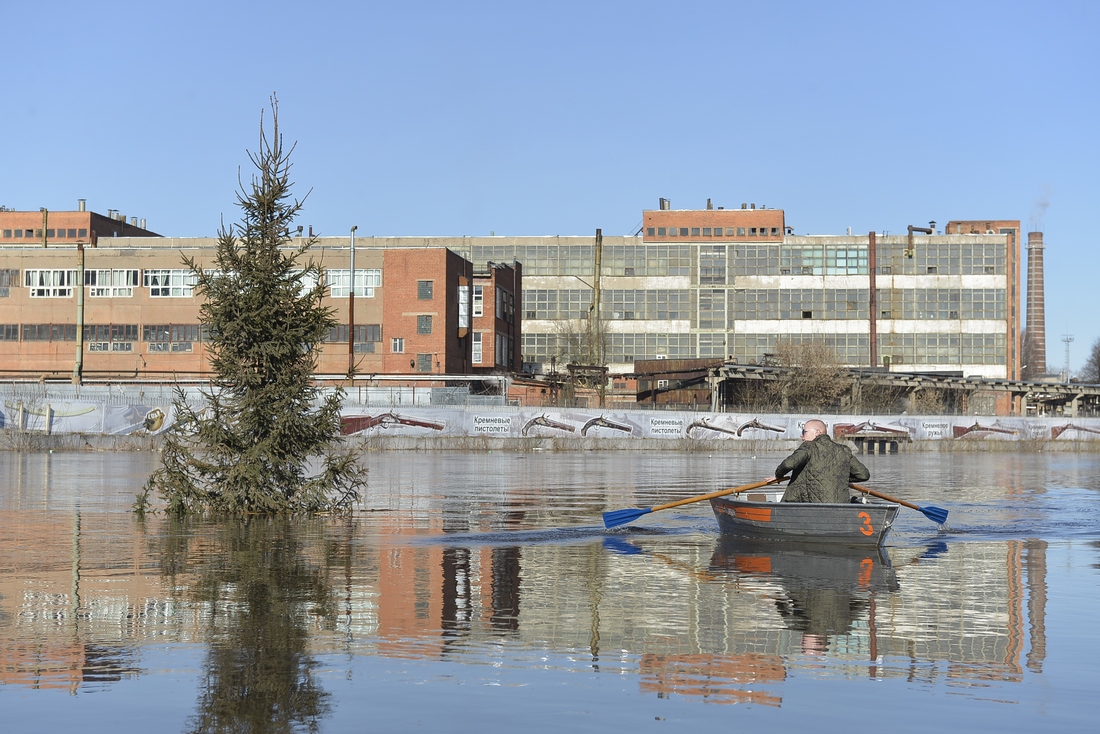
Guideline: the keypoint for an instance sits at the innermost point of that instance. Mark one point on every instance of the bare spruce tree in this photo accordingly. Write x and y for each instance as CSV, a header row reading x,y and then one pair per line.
x,y
267,439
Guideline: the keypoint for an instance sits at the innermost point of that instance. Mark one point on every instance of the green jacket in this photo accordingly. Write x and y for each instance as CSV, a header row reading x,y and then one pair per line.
x,y
820,471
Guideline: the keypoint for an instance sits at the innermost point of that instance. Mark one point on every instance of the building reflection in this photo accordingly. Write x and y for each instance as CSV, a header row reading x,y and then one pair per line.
x,y
688,616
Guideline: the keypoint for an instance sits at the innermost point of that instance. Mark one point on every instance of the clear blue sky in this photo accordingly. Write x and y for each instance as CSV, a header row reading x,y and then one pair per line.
x,y
456,118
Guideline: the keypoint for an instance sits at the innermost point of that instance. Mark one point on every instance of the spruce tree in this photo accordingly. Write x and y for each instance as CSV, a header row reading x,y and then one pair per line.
x,y
267,438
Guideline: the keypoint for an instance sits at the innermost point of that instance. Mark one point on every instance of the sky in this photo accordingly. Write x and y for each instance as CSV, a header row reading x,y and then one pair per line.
x,y
519,118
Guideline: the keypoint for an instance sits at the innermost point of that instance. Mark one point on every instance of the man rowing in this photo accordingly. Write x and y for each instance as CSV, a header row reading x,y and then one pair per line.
x,y
820,468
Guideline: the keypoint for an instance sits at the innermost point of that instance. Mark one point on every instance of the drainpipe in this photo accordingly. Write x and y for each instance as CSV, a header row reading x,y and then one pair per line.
x,y
872,266
351,308
78,364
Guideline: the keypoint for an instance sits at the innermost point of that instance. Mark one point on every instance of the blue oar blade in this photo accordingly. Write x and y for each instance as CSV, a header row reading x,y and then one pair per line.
x,y
937,515
621,517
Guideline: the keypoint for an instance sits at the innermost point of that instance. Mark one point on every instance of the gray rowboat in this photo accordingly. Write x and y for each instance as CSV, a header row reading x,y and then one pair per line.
x,y
840,524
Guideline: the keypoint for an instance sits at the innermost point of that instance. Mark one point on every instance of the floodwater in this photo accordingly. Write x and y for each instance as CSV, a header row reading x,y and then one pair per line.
x,y
480,592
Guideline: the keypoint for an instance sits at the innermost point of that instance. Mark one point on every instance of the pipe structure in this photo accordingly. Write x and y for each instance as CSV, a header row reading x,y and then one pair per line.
x,y
909,250
1036,351
351,307
78,363
872,297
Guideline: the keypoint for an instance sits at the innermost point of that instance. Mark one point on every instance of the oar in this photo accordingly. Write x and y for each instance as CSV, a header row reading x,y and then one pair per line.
x,y
621,517
937,515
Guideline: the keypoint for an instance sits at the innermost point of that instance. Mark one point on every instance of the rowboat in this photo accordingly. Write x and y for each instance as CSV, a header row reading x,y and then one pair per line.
x,y
760,515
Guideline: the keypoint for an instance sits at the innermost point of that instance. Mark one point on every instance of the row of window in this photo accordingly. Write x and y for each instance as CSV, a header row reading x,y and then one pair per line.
x,y
716,263
712,231
756,348
51,234
709,308
168,282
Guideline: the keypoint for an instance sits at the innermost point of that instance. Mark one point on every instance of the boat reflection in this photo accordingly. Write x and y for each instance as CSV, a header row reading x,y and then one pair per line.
x,y
825,590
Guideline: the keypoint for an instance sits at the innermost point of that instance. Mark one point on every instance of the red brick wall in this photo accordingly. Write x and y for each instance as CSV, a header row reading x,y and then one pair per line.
x,y
763,220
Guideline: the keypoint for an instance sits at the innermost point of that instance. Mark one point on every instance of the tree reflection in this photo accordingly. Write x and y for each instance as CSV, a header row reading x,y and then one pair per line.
x,y
256,585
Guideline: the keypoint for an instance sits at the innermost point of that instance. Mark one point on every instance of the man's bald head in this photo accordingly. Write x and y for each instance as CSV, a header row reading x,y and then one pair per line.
x,y
814,428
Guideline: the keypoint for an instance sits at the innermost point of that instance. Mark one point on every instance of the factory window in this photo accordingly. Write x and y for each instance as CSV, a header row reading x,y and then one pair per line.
x,y
477,350
775,231
397,345
72,234
178,283
49,332
479,300
683,231
18,234
807,314
752,231
932,269
82,233
424,290
671,231
9,332
660,231
649,231
111,283
8,278
740,232
61,234
50,283
110,337
175,338
7,234
38,234
423,363
423,324
694,231
706,231
366,280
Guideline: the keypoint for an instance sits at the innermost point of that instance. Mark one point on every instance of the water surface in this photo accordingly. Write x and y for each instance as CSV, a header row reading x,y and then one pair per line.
x,y
481,591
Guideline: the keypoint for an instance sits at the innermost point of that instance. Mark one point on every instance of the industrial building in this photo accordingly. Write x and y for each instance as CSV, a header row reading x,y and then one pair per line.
x,y
720,284
109,306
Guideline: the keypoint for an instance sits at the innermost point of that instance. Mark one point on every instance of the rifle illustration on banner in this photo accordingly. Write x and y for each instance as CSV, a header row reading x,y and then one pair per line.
x,y
355,424
1056,431
961,431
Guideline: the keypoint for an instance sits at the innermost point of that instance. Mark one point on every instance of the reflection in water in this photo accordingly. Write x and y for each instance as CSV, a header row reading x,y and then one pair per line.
x,y
468,566
825,590
257,587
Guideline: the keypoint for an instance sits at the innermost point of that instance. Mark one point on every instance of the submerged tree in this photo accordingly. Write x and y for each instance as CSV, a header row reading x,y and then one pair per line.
x,y
266,439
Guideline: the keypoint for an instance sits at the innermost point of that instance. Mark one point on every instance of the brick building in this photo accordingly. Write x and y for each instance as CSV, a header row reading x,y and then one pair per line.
x,y
137,315
46,228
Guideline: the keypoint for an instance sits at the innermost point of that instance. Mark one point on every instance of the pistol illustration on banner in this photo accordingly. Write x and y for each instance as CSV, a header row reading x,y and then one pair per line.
x,y
702,423
755,423
543,420
602,422
357,423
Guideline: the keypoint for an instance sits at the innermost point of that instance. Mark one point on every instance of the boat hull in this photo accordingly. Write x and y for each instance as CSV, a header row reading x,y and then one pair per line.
x,y
806,522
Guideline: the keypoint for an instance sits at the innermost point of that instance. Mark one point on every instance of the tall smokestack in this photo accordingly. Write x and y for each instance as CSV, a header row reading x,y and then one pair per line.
x,y
1036,353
